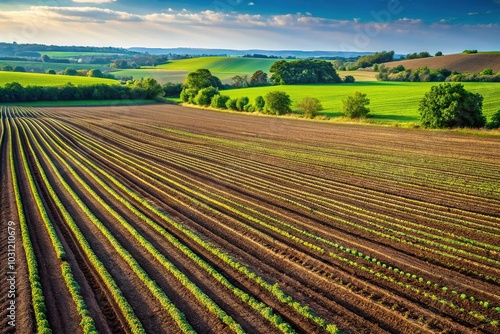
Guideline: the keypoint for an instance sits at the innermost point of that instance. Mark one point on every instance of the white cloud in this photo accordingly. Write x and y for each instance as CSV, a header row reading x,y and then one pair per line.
x,y
251,4
411,21
472,13
93,25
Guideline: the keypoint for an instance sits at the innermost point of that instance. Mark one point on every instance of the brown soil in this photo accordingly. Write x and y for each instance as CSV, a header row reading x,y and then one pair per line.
x,y
263,190
462,63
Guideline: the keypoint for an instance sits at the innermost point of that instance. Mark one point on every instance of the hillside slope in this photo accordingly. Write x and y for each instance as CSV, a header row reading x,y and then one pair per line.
x,y
221,64
462,63
36,79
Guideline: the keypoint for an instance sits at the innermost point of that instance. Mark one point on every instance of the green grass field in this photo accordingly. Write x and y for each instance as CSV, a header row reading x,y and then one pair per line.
x,y
36,79
391,102
162,76
235,65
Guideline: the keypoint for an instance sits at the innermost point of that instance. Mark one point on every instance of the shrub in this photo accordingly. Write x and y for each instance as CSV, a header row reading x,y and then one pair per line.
x,y
50,72
310,106
355,105
349,79
242,102
495,121
70,71
219,101
231,104
278,103
249,108
19,69
451,105
487,71
204,96
188,94
260,103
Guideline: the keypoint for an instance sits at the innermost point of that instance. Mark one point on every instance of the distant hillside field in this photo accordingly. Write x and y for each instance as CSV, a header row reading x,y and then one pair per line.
x,y
36,79
221,64
391,102
462,63
223,67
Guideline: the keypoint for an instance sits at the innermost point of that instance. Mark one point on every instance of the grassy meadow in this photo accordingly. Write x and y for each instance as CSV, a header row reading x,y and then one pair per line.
x,y
162,76
223,67
391,102
37,79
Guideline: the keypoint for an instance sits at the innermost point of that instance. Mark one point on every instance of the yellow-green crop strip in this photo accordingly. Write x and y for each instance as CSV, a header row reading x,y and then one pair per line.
x,y
37,297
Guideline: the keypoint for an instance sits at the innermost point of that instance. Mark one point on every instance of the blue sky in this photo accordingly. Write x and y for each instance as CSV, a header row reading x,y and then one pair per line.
x,y
345,25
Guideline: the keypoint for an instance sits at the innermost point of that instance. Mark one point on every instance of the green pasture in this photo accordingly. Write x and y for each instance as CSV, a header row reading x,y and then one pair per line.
x,y
162,76
391,102
236,65
37,79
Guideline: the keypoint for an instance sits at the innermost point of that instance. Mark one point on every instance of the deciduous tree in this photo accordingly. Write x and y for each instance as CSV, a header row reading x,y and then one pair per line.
x,y
451,105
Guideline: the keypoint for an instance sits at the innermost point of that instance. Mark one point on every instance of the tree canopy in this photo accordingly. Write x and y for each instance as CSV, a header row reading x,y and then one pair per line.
x,y
376,58
196,81
202,78
277,103
303,72
451,105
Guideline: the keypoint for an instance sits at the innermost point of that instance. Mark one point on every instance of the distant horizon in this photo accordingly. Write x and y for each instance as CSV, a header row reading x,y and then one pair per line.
x,y
352,26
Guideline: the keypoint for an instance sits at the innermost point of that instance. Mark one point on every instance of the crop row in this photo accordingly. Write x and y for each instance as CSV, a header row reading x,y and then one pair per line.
x,y
396,176
106,278
127,257
275,291
129,163
273,221
172,173
37,297
465,242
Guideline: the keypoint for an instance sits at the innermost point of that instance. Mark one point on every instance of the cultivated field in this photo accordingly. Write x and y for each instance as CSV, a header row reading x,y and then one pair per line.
x,y
463,63
162,219
36,79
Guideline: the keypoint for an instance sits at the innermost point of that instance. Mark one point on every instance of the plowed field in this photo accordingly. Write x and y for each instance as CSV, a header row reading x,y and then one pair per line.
x,y
160,219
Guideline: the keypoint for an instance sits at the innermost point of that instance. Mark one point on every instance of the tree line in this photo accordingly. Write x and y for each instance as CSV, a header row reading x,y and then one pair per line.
x,y
424,74
135,90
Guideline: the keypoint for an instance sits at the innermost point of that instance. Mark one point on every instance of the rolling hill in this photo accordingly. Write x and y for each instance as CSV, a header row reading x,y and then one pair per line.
x,y
462,63
235,65
36,79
